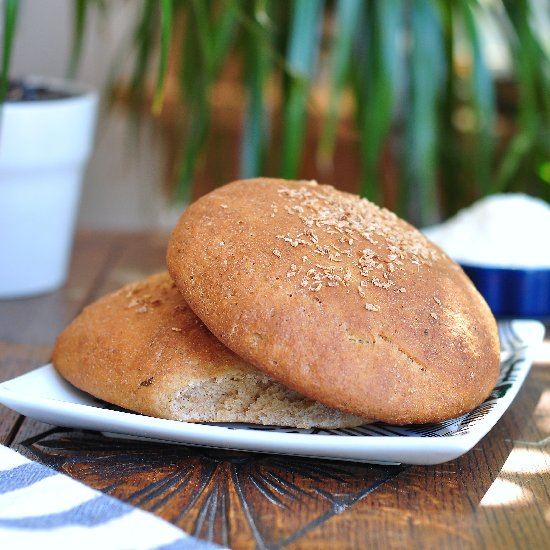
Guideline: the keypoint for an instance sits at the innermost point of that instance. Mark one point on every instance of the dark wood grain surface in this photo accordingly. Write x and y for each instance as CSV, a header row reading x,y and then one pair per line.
x,y
495,496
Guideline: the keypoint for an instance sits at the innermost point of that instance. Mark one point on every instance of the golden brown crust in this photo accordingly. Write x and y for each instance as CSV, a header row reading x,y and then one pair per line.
x,y
337,299
143,349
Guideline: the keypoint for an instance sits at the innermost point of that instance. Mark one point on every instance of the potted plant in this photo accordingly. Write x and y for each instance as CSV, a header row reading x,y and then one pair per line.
x,y
425,113
46,138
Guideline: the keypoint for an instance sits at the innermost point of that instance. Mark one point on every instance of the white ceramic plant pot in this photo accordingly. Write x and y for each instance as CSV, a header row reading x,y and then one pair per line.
x,y
44,149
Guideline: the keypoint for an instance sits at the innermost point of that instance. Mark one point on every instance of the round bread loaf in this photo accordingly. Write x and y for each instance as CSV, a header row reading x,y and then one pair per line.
x,y
336,298
143,349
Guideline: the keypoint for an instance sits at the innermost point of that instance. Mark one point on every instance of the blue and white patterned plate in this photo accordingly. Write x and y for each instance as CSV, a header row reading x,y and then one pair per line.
x,y
42,394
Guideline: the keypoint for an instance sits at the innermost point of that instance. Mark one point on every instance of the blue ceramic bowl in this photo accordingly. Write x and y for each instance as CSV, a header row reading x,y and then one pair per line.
x,y
513,293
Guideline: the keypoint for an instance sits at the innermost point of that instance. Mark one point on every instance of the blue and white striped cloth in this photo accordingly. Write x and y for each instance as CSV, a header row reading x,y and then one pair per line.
x,y
41,508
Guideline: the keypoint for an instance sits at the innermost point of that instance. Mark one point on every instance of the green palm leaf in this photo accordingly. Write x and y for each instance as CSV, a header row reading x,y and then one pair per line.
x,y
258,61
301,62
11,8
379,91
345,26
427,69
483,103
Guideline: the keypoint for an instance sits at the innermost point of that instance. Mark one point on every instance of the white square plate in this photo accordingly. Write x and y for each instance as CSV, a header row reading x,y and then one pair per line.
x,y
42,394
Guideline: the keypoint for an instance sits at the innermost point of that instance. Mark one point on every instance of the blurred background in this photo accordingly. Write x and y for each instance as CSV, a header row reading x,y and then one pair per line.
x,y
421,105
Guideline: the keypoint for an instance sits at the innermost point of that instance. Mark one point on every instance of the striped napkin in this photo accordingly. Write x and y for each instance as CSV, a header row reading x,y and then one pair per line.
x,y
41,508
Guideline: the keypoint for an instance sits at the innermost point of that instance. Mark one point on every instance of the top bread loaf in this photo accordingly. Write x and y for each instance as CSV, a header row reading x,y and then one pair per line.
x,y
337,299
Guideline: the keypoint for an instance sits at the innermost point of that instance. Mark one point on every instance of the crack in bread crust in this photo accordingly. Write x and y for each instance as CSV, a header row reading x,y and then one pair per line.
x,y
422,367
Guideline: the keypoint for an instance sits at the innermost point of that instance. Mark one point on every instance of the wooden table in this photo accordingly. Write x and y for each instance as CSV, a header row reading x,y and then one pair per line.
x,y
495,496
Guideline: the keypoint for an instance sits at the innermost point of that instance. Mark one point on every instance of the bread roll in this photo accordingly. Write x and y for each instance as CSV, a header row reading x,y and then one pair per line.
x,y
143,349
337,299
